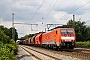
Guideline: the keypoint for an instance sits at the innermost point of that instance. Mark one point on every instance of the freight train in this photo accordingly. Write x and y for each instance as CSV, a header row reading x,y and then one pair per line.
x,y
57,38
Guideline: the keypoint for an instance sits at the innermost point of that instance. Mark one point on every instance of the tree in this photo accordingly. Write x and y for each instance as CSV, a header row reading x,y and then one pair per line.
x,y
80,29
8,32
4,38
28,36
15,34
88,33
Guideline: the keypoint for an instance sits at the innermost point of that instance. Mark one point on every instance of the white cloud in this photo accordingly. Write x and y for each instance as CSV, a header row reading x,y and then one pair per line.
x,y
84,17
62,17
6,23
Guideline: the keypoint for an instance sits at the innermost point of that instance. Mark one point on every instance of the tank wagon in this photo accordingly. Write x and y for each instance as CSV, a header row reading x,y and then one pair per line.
x,y
58,38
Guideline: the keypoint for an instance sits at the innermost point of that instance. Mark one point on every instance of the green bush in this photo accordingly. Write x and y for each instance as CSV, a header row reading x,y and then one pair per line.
x,y
83,44
12,47
6,54
8,47
4,38
8,51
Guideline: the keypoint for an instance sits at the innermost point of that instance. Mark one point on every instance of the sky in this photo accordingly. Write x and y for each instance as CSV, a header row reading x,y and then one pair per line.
x,y
42,12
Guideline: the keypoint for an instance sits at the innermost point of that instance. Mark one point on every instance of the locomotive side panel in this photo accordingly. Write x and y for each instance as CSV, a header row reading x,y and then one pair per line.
x,y
48,38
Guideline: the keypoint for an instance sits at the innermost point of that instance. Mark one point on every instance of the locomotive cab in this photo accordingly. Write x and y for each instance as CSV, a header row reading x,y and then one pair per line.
x,y
67,38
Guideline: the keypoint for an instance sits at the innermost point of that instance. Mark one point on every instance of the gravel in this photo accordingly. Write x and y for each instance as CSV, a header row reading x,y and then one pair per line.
x,y
23,55
60,56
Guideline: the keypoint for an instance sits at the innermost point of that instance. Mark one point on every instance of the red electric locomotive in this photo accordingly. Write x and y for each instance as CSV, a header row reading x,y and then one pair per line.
x,y
59,38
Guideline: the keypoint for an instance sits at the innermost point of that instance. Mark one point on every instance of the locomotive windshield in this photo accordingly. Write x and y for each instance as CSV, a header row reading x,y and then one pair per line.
x,y
67,31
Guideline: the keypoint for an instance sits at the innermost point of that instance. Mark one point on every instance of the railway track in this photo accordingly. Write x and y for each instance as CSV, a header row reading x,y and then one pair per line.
x,y
83,54
76,53
82,50
39,54
31,54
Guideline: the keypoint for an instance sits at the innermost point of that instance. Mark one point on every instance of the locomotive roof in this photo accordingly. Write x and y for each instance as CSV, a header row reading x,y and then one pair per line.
x,y
56,28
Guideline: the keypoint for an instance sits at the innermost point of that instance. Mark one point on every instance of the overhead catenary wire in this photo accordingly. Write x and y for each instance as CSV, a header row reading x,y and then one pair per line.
x,y
30,14
75,9
51,10
22,23
35,13
68,4
79,7
37,10
47,8
33,7
40,6
54,5
85,18
19,17
23,18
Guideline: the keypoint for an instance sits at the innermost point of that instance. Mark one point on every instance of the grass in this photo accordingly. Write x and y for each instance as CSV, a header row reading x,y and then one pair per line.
x,y
83,44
